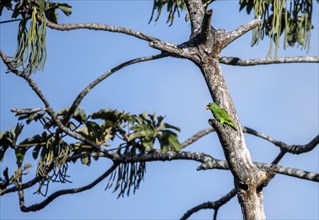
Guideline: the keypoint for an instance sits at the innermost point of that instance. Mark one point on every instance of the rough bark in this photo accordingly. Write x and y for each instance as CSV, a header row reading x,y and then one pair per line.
x,y
204,48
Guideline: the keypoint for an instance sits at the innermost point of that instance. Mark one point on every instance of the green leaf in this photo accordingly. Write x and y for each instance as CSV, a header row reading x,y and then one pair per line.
x,y
6,139
52,15
16,10
139,134
86,160
36,151
5,3
169,141
20,153
65,8
18,130
80,115
174,143
3,149
84,132
35,140
172,127
94,128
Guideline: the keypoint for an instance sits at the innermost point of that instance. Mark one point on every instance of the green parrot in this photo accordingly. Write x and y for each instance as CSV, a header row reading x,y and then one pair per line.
x,y
220,114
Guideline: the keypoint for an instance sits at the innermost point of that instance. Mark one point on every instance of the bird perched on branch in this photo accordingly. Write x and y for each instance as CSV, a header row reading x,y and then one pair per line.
x,y
220,115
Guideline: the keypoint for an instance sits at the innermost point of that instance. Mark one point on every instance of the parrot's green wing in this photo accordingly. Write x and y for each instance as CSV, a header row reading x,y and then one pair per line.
x,y
226,118
221,115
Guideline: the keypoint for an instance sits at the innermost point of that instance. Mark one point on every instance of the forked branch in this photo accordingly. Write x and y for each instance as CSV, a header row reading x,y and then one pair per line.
x,y
210,205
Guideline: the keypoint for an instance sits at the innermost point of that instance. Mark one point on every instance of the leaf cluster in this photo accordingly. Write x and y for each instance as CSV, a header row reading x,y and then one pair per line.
x,y
289,17
53,150
172,7
31,49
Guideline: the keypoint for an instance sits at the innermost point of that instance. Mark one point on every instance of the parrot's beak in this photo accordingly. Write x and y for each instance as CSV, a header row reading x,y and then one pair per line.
x,y
207,107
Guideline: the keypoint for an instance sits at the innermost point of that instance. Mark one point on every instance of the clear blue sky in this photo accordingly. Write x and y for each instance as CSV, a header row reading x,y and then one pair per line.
x,y
278,100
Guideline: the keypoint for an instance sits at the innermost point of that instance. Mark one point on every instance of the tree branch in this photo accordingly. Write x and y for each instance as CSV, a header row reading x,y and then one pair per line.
x,y
98,27
306,175
207,33
235,61
228,196
87,89
56,194
210,205
209,162
183,50
27,110
196,137
243,29
49,109
288,171
21,187
294,149
196,13
171,155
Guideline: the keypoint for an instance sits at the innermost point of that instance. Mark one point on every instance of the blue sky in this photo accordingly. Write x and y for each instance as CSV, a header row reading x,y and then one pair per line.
x,y
278,100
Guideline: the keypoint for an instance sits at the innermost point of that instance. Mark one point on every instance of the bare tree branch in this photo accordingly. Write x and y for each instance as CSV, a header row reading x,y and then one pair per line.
x,y
56,194
207,32
306,175
27,110
279,157
100,27
290,171
21,187
171,155
294,149
87,89
235,61
209,162
184,50
210,205
243,29
196,13
196,137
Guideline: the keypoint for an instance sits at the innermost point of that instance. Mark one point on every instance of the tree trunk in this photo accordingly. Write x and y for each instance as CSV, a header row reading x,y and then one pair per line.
x,y
249,179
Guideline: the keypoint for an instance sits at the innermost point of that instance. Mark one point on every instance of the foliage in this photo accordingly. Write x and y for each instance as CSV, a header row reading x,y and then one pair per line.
x,y
135,134
173,7
289,17
31,49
